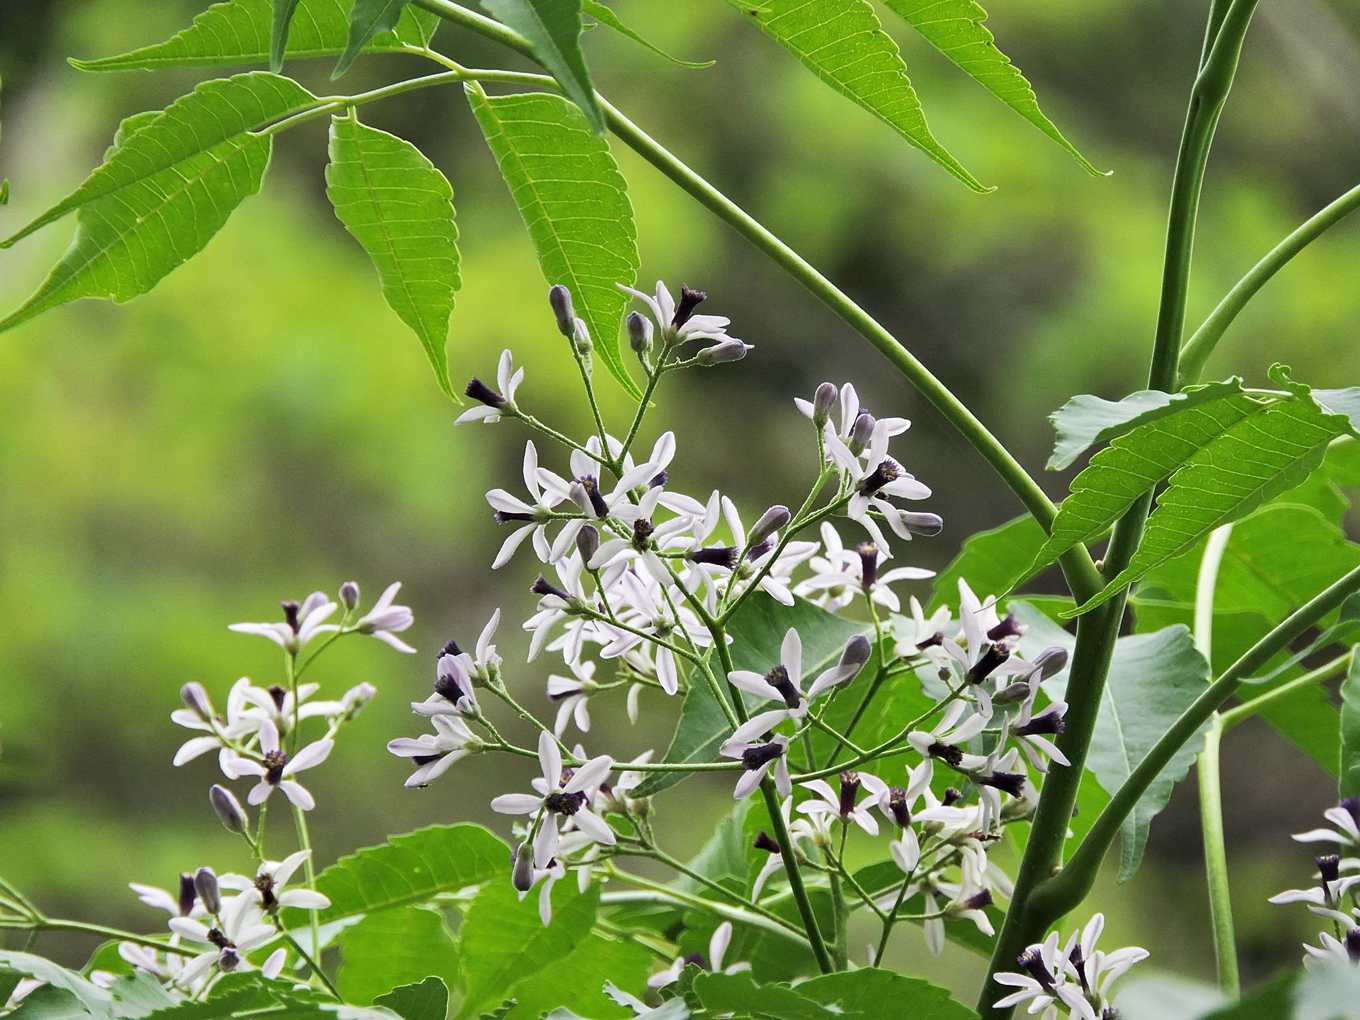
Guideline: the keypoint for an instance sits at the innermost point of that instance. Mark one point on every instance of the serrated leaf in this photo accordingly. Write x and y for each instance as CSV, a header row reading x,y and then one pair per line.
x,y
574,203
992,562
395,947
424,1000
1135,462
1257,459
741,995
1153,678
212,120
410,869
594,961
278,33
843,43
164,190
605,16
757,629
957,29
367,18
553,28
399,207
238,32
1086,421
871,993
1348,774
97,1001
504,942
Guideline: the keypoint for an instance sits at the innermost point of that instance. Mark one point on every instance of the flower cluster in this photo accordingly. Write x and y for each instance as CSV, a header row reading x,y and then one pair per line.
x,y
1333,895
1074,977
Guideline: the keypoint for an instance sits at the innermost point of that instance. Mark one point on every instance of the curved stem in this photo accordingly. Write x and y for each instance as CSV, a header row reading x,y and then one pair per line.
x,y
1198,348
1328,670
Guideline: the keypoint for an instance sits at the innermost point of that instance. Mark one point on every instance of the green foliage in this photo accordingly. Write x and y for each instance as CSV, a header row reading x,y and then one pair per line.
x,y
553,28
866,994
992,562
504,943
574,202
843,44
605,15
1349,769
367,19
395,947
957,29
410,869
238,32
594,962
278,35
94,1000
1153,678
426,1000
399,207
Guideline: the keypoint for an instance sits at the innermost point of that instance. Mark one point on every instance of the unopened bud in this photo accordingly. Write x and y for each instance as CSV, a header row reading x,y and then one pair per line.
x,y
186,895
580,338
868,564
722,353
927,525
857,651
1051,661
196,698
861,431
349,594
822,402
639,332
228,808
770,521
560,299
205,884
522,872
588,543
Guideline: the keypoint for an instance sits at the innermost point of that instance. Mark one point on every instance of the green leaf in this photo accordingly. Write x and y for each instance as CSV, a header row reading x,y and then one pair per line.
x,y
97,1001
134,232
991,562
872,993
553,28
723,857
238,32
399,207
606,16
757,630
1345,402
574,202
1086,421
956,28
594,961
1253,461
278,36
395,947
843,43
503,942
427,1000
172,152
367,19
410,869
1153,678
739,994
1133,463
1349,771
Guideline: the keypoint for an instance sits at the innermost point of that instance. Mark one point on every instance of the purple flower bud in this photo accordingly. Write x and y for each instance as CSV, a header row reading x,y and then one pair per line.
x,y
857,651
822,402
1051,661
205,884
690,299
639,330
196,698
349,594
560,300
588,542
186,894
927,525
861,431
228,808
580,338
722,353
770,521
522,873
868,564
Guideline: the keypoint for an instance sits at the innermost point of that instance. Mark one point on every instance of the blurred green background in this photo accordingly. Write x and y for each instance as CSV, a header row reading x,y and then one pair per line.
x,y
262,425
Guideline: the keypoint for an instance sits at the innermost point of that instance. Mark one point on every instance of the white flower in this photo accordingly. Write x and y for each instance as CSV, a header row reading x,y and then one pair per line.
x,y
1325,897
850,414
717,949
240,929
546,490
301,623
493,404
272,876
957,726
572,695
841,803
1345,819
277,768
678,324
759,756
1334,950
457,673
839,578
184,905
785,681
433,753
1077,977
1032,731
560,799
385,620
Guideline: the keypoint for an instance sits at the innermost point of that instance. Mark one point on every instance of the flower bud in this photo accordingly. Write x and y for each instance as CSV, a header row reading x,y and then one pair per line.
x,y
639,332
822,402
927,525
857,651
770,521
1051,661
186,895
722,353
228,808
205,884
522,871
868,564
560,300
860,432
588,543
349,594
580,339
196,698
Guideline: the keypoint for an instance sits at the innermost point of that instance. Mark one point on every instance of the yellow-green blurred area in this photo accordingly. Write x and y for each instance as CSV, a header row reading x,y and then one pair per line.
x,y
262,425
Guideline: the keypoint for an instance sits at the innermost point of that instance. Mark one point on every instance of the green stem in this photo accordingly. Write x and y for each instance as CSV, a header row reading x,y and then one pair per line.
x,y
1065,890
1327,671
840,934
1198,348
670,894
61,924
315,968
309,870
657,854
1026,919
